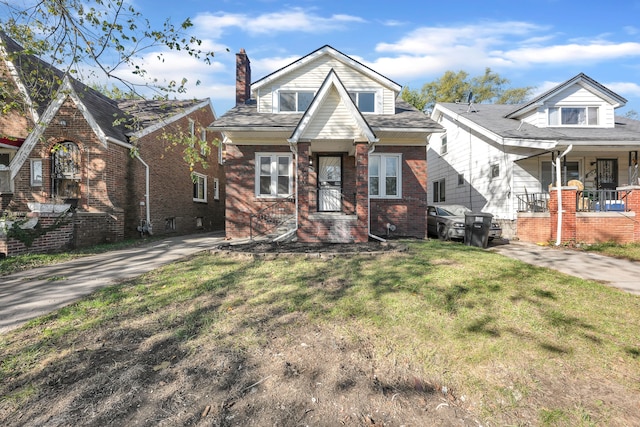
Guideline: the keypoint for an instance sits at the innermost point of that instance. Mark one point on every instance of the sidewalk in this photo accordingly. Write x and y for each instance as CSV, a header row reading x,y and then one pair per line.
x,y
32,293
614,272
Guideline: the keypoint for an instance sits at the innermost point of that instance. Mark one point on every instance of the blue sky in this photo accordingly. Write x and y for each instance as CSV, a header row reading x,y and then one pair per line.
x,y
532,43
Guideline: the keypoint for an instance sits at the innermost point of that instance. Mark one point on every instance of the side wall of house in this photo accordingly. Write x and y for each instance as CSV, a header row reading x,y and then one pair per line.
x,y
171,188
474,158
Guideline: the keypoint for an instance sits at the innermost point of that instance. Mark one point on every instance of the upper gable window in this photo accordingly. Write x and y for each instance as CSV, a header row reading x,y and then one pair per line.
x,y
573,116
295,102
365,101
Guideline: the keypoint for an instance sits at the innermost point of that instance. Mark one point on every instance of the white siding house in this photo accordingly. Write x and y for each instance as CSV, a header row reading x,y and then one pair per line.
x,y
491,157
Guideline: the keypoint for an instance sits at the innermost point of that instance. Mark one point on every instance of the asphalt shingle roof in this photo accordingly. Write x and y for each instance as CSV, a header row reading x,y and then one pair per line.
x,y
491,117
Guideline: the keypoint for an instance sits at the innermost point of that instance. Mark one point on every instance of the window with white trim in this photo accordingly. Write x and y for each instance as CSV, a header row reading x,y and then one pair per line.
x,y
274,175
443,145
365,101
199,187
439,191
385,175
294,101
216,189
573,116
203,142
495,170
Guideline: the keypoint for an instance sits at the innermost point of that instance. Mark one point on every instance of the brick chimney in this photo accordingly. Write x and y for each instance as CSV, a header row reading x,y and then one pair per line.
x,y
243,77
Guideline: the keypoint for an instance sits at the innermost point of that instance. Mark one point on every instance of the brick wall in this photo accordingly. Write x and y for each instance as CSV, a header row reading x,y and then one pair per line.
x,y
58,238
407,214
171,187
241,200
582,227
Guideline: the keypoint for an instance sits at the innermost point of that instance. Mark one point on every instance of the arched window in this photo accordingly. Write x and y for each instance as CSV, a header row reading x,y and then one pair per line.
x,y
65,170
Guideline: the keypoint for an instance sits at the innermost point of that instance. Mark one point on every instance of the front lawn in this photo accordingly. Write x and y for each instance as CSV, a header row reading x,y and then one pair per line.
x,y
443,334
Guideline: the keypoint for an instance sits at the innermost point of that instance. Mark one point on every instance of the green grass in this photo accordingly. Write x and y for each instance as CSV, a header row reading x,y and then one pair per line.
x,y
497,331
629,251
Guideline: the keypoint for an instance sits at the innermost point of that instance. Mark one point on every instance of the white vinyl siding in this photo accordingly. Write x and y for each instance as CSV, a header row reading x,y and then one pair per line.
x,y
333,120
312,75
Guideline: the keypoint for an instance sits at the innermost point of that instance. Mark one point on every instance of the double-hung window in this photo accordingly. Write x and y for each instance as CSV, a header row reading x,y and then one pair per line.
x,y
573,116
365,101
295,102
199,187
274,175
385,176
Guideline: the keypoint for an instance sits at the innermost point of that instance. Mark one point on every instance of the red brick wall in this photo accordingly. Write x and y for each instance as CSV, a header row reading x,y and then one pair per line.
x,y
408,214
55,240
581,227
241,199
171,187
534,227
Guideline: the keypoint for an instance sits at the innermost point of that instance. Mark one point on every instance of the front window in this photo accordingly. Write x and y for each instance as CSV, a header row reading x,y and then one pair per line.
x,y
384,175
274,175
365,101
199,187
573,116
569,171
65,170
295,102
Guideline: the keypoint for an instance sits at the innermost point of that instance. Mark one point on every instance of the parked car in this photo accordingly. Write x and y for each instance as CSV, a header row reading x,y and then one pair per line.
x,y
444,224
448,222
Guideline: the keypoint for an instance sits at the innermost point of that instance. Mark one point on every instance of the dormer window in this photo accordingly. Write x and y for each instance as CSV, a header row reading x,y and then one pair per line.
x,y
295,101
365,101
573,116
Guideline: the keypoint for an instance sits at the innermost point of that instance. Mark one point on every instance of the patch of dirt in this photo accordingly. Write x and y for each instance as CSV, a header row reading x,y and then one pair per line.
x,y
275,248
309,376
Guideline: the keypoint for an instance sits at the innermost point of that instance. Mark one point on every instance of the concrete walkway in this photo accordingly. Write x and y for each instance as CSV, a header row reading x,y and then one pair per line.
x,y
614,272
32,293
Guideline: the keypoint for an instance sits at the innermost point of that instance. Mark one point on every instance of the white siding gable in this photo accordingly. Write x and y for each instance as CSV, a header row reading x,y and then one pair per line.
x,y
310,76
333,120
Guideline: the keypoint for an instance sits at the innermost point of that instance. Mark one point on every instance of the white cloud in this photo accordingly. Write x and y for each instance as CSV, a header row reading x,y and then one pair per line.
x,y
295,20
570,53
626,89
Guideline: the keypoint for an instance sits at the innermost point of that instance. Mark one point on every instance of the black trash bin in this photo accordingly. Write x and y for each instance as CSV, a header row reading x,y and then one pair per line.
x,y
476,228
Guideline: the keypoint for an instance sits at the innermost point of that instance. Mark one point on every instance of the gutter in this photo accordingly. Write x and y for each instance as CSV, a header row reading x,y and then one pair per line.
x,y
146,176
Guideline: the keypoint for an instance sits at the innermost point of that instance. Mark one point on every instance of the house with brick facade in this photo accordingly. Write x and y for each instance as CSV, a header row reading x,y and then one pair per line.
x,y
510,160
78,168
323,150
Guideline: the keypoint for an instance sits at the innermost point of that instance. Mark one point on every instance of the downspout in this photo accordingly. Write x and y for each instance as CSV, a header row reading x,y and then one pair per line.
x,y
147,180
372,148
559,189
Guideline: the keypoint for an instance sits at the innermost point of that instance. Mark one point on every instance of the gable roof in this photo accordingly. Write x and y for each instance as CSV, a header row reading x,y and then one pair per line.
x,y
582,80
330,51
332,81
491,120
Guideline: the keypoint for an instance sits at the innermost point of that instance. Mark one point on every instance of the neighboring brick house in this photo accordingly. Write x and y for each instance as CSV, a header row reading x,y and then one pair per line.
x,y
324,150
78,168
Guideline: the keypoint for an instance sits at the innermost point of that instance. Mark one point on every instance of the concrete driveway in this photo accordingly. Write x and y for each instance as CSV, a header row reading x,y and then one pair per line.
x,y
619,273
32,293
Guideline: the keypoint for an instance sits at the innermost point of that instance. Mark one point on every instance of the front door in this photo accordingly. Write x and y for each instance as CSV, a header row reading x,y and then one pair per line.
x,y
329,183
607,174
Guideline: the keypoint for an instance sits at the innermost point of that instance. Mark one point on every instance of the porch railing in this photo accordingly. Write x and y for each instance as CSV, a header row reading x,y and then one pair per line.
x,y
602,201
268,220
533,202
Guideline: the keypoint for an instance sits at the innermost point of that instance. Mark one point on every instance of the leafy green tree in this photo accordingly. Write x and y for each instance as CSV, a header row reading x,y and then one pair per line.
x,y
96,40
457,87
99,37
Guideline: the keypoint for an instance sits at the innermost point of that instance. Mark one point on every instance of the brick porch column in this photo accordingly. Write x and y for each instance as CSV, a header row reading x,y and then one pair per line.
x,y
633,204
361,233
568,232
304,189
